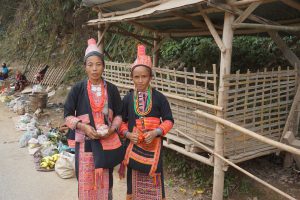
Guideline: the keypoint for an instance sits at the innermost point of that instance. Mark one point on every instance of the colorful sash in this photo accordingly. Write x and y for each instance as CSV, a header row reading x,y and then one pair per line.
x,y
141,156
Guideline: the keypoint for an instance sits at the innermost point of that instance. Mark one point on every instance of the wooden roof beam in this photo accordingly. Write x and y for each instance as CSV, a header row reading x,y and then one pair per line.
x,y
245,2
247,12
266,27
127,33
288,54
292,4
142,26
158,45
193,33
188,18
102,34
185,17
213,32
238,11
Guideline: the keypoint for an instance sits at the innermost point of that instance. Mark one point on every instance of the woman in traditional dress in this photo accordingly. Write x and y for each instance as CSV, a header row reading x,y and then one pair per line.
x,y
147,117
93,109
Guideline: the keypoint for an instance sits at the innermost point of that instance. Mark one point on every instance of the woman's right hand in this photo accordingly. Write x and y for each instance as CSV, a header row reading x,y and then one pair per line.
x,y
133,137
88,130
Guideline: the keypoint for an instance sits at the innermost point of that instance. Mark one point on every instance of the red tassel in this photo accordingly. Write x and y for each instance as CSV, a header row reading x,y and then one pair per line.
x,y
122,170
156,178
98,175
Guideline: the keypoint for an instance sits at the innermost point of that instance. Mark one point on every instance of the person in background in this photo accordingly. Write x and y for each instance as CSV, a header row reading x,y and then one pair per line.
x,y
4,72
147,118
21,81
41,74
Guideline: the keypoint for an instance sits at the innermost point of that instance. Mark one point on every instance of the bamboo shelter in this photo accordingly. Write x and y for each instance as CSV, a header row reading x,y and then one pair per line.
x,y
221,118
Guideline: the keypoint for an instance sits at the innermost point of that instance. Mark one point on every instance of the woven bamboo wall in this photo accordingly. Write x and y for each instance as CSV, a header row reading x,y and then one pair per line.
x,y
193,85
260,102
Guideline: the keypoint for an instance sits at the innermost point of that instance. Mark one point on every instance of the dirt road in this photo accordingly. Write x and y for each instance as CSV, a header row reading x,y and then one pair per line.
x,y
18,178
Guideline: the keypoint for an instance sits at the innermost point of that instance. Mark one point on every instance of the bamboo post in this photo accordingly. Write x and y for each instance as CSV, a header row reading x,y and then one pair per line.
x,y
100,32
156,53
205,85
215,83
195,83
225,64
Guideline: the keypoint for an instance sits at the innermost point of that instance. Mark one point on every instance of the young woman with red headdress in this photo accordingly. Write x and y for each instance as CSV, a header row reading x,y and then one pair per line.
x,y
147,117
94,110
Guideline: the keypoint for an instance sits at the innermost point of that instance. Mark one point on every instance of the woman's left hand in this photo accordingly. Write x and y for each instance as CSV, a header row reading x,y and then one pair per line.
x,y
109,133
149,136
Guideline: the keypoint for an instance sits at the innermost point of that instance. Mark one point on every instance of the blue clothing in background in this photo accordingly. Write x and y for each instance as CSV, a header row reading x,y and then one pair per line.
x,y
4,70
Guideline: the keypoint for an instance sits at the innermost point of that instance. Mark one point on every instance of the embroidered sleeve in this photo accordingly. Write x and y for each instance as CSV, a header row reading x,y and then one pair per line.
x,y
166,126
71,122
116,123
123,129
70,109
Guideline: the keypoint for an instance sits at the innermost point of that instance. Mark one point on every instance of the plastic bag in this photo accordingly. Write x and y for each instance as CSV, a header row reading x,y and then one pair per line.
x,y
49,150
42,139
65,165
25,118
21,127
24,139
37,88
32,143
62,147
33,146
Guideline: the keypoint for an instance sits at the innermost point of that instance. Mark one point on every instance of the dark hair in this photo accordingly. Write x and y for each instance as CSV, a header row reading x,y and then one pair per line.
x,y
147,67
94,53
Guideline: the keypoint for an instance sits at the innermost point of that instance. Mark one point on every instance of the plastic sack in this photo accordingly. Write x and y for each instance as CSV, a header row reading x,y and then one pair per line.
x,y
24,139
65,165
37,88
32,143
21,127
62,147
49,150
25,118
42,139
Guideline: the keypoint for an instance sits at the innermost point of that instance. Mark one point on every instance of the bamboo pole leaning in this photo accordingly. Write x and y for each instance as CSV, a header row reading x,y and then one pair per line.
x,y
266,140
237,167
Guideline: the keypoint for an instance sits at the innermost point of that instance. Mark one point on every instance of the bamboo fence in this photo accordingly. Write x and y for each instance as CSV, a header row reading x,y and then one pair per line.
x,y
257,101
53,76
198,86
260,102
